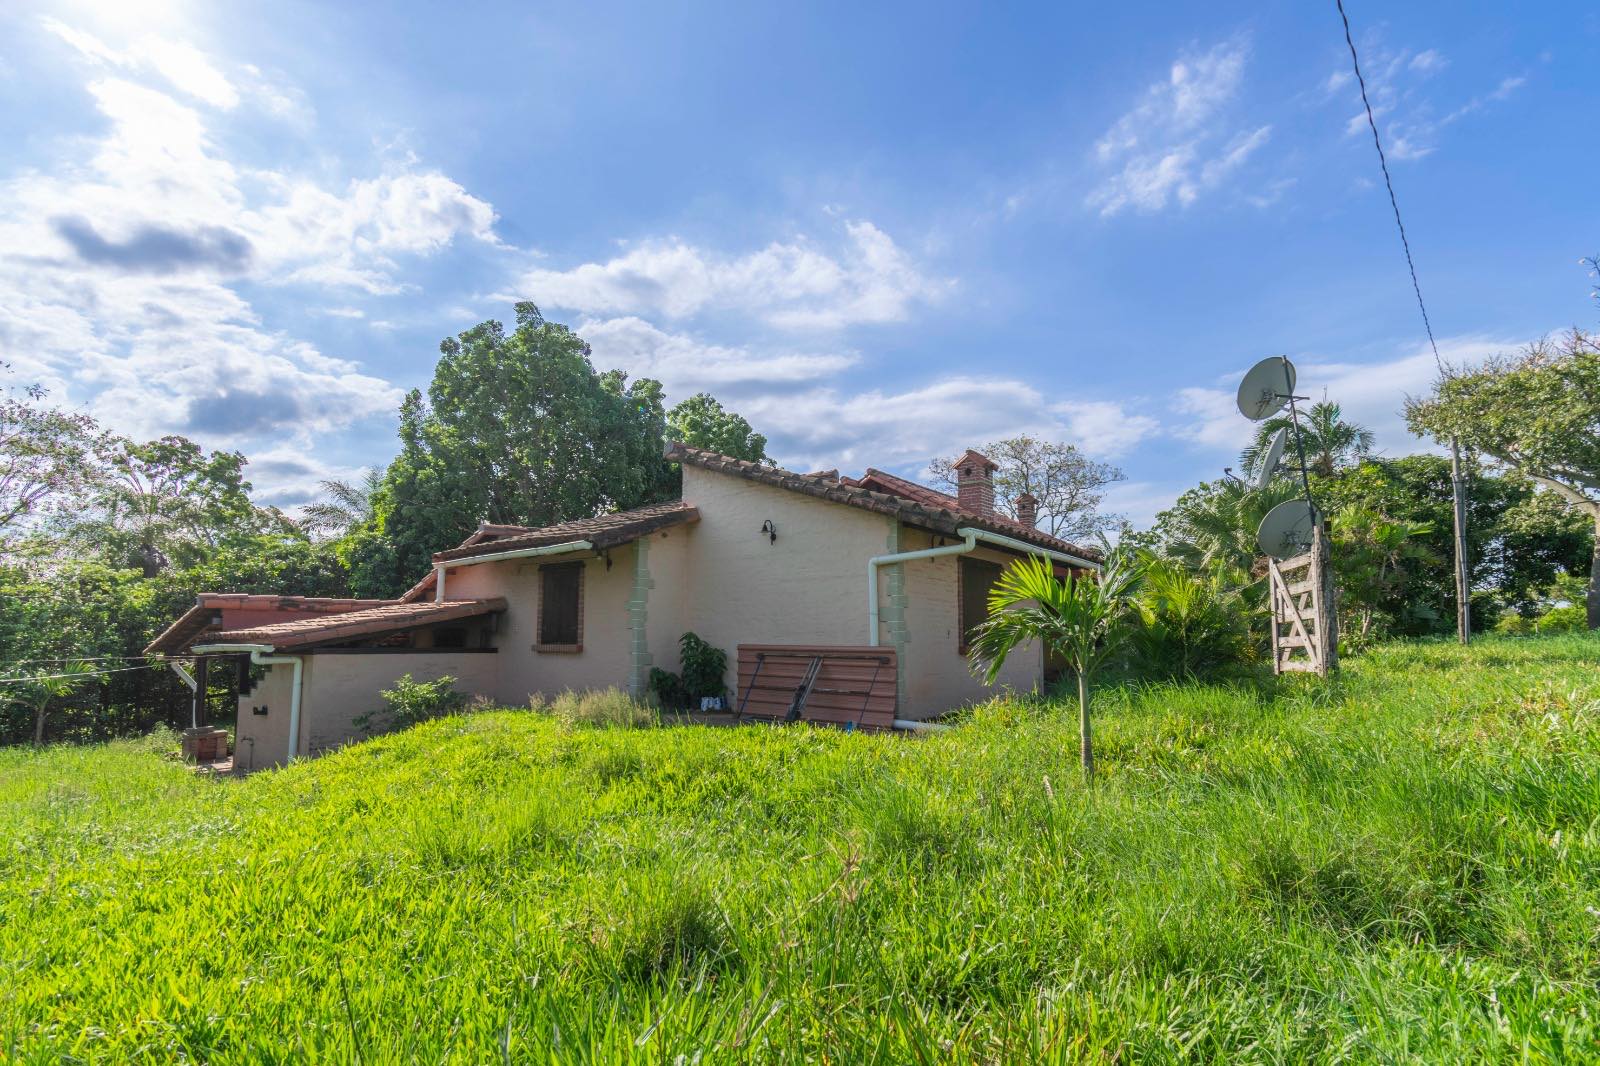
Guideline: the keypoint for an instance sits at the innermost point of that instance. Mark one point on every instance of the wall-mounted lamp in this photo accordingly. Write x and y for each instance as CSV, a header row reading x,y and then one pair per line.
x,y
770,530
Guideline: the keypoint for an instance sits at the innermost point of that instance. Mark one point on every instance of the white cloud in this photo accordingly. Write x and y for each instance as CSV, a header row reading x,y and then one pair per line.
x,y
1176,144
795,285
686,365
828,427
119,265
1428,62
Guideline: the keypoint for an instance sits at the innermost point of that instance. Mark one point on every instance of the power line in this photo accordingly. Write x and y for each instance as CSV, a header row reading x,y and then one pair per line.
x,y
74,659
1383,162
85,673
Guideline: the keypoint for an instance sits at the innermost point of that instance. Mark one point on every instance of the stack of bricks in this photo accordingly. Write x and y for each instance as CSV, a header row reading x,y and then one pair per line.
x,y
205,744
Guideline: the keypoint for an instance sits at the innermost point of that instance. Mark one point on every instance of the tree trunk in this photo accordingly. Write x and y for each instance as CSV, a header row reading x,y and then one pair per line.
x,y
38,725
1592,600
1085,741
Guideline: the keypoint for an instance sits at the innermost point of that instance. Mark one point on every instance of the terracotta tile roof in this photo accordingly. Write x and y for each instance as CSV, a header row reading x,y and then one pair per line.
x,y
211,608
925,508
603,531
374,621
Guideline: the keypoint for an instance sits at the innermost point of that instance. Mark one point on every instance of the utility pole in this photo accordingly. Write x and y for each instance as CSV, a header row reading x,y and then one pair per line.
x,y
1458,493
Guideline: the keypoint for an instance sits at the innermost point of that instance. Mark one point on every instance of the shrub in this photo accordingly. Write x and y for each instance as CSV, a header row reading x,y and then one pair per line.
x,y
1188,625
703,668
607,708
410,702
1512,624
1569,619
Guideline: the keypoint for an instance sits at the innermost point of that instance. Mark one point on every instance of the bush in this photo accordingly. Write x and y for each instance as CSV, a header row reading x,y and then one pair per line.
x,y
703,669
607,708
1187,625
1570,619
1512,624
410,702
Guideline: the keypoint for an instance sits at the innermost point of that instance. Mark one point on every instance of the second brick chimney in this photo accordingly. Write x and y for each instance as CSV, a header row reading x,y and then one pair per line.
x,y
975,482
1028,509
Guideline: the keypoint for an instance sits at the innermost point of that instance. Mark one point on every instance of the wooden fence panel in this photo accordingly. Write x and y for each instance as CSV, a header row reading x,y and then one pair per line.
x,y
854,686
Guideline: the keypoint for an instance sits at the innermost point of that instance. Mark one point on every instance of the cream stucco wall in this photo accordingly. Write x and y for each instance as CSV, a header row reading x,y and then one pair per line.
x,y
335,690
607,655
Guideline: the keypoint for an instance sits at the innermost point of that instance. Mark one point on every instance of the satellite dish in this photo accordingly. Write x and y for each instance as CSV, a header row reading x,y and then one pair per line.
x,y
1266,388
1270,459
1286,531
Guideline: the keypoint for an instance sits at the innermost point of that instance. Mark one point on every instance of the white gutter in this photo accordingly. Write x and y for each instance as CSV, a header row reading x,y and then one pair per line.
x,y
261,655
1032,549
493,557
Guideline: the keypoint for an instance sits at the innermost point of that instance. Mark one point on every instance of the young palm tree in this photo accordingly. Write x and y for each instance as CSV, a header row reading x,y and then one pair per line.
x,y
56,683
1215,527
1082,619
1331,442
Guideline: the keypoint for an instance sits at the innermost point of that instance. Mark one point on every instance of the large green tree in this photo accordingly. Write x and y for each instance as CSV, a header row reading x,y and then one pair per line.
x,y
517,427
702,422
1331,442
45,456
1537,413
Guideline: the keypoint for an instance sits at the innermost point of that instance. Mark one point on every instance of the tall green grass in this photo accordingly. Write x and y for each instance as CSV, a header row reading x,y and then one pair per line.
x,y
1400,864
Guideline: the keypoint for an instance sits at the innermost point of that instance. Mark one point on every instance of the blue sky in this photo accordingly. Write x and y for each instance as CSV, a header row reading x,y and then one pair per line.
x,y
882,233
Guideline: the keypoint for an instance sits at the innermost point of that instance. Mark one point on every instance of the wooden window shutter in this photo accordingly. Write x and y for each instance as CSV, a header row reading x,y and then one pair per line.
x,y
560,604
977,578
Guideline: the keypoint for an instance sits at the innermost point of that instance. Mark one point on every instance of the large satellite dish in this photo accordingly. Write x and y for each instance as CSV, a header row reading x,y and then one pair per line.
x,y
1266,388
1286,531
1270,459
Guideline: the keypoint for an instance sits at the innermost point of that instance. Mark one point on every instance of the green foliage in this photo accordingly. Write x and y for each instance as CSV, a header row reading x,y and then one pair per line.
x,y
1213,525
1373,558
1394,867
410,702
45,457
1069,486
1512,624
704,668
1538,414
1189,625
1079,618
667,687
1568,619
702,422
1331,444
607,708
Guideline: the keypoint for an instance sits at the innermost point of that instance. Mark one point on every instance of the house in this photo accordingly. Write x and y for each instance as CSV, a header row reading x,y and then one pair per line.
x,y
860,591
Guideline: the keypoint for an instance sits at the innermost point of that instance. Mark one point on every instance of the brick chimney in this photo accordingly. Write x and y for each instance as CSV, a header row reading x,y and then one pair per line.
x,y
1028,509
975,482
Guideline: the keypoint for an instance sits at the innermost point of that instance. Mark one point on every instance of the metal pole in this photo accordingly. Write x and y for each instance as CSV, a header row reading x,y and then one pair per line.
x,y
1458,508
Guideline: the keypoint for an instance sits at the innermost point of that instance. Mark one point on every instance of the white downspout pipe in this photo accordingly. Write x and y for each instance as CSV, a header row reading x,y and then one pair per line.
x,y
969,542
261,655
440,566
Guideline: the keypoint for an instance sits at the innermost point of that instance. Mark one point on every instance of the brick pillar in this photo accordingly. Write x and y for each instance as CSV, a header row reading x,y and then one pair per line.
x,y
975,482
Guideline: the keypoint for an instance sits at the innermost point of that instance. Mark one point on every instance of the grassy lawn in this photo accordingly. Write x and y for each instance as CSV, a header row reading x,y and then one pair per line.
x,y
1404,864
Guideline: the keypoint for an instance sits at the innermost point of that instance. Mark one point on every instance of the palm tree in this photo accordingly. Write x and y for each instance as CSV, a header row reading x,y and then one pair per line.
x,y
1081,618
1331,443
1214,527
41,691
346,505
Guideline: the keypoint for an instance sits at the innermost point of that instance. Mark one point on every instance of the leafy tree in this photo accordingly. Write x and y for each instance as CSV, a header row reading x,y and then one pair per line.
x,y
1369,554
1331,443
1081,618
518,428
167,502
702,422
1538,414
1069,486
44,455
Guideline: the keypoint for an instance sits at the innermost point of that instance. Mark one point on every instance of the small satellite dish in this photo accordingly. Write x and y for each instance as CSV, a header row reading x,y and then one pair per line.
x,y
1270,459
1286,531
1266,388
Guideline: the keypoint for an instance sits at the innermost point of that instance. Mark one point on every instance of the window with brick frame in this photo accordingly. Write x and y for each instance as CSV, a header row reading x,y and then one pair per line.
x,y
560,607
975,577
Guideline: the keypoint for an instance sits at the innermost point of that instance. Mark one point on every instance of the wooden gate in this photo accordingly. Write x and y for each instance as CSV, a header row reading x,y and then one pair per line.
x,y
1305,629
